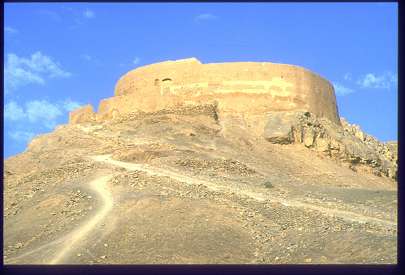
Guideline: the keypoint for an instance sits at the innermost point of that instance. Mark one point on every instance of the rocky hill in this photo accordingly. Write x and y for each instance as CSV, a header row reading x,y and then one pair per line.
x,y
195,183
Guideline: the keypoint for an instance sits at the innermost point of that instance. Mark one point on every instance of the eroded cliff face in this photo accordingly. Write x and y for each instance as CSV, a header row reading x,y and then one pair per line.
x,y
347,143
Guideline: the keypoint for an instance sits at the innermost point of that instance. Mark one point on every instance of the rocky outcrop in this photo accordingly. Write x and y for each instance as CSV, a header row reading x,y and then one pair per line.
x,y
346,143
83,114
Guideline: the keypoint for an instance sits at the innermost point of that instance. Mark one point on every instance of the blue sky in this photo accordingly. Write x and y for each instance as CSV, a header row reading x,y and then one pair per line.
x,y
60,56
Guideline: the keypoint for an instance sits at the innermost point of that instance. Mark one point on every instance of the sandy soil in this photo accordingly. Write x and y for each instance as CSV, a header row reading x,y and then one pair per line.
x,y
173,189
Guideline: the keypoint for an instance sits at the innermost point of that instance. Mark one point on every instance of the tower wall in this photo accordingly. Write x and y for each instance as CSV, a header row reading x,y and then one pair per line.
x,y
236,87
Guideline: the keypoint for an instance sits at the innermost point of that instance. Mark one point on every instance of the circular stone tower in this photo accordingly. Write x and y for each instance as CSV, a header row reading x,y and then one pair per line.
x,y
237,87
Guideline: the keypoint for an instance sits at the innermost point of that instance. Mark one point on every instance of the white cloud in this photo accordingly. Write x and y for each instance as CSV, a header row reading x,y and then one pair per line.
x,y
51,14
341,90
130,64
13,112
44,64
20,71
15,77
10,30
86,57
93,59
42,110
136,60
89,14
347,76
205,17
70,105
39,112
383,81
23,136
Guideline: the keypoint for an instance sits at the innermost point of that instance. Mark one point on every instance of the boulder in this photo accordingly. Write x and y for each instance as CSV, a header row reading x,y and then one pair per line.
x,y
279,127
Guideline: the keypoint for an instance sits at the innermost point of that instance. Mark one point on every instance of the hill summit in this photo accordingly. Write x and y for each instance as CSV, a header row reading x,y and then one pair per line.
x,y
241,162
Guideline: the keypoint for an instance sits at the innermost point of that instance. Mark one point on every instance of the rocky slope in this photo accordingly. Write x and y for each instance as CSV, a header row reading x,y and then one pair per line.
x,y
348,144
188,185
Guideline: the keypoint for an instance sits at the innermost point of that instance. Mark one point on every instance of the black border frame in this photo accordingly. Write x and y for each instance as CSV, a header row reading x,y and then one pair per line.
x,y
225,269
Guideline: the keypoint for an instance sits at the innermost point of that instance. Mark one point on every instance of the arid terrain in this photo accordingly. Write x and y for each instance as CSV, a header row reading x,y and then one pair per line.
x,y
182,186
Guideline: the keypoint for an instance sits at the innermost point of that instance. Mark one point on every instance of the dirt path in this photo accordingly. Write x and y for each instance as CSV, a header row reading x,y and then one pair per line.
x,y
155,171
99,185
47,250
58,249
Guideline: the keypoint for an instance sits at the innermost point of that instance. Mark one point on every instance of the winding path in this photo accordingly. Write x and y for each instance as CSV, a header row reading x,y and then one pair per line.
x,y
99,185
66,244
346,215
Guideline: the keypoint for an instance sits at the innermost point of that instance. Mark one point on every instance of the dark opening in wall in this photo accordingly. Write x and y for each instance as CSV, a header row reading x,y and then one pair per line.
x,y
156,82
167,79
